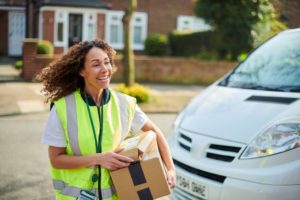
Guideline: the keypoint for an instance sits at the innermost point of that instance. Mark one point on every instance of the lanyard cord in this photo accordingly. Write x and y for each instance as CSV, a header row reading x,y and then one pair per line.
x,y
98,144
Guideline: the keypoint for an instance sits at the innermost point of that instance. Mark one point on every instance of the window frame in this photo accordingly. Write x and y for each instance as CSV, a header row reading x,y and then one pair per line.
x,y
89,21
119,14
195,24
60,17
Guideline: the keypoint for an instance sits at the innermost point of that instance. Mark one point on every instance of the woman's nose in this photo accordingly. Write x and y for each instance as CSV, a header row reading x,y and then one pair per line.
x,y
104,68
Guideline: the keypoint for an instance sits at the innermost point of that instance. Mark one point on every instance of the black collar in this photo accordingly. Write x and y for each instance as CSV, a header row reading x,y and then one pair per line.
x,y
105,96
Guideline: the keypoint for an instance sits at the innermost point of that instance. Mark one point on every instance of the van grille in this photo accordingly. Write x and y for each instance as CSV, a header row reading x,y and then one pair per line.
x,y
222,152
185,142
208,175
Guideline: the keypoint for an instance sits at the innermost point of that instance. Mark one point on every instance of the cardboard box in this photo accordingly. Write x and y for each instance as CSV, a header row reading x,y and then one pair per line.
x,y
145,178
140,147
131,148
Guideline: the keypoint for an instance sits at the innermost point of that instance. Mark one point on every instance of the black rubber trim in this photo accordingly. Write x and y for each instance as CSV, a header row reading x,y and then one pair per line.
x,y
208,175
281,100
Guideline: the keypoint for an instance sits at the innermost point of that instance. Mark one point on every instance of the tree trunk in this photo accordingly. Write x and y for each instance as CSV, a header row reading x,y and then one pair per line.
x,y
128,54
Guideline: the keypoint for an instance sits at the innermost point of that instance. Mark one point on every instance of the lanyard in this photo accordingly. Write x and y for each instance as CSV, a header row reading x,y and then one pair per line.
x,y
99,142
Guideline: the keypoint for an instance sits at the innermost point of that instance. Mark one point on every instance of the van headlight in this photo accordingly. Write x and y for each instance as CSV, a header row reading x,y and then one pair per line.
x,y
277,138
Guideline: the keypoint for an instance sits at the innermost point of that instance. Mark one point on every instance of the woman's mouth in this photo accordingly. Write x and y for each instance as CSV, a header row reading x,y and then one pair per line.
x,y
103,79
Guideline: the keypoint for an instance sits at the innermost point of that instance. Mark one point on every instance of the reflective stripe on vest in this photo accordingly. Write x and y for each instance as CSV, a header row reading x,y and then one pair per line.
x,y
123,108
75,191
72,127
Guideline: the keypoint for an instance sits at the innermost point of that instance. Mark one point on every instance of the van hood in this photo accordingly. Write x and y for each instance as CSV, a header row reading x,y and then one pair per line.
x,y
236,114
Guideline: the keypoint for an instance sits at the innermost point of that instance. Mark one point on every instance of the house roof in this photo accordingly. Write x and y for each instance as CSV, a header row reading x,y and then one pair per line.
x,y
76,3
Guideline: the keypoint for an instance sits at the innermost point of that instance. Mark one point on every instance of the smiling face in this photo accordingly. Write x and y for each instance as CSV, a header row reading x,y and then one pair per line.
x,y
97,70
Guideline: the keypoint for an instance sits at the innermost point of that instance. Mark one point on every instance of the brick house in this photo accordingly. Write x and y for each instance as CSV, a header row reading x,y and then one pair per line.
x,y
64,22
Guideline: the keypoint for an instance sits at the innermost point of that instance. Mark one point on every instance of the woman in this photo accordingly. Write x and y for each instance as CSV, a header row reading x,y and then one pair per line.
x,y
88,121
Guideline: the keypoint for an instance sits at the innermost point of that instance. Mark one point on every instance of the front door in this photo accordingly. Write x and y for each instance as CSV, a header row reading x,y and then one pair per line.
x,y
75,28
16,32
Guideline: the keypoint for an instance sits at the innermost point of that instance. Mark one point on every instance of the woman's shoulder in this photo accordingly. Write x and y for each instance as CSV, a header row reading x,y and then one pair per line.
x,y
62,99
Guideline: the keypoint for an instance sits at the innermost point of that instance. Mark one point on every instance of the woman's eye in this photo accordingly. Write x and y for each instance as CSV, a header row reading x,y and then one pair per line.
x,y
107,63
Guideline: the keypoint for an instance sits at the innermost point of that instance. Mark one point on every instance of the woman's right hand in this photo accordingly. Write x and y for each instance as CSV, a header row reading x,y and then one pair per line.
x,y
113,161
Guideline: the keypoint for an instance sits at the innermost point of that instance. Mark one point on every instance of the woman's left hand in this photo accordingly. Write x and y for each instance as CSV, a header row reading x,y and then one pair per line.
x,y
171,178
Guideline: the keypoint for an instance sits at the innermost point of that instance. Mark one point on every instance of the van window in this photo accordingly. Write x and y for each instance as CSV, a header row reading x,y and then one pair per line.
x,y
273,66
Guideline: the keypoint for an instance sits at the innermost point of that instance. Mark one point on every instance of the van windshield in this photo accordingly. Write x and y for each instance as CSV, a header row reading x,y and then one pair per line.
x,y
273,66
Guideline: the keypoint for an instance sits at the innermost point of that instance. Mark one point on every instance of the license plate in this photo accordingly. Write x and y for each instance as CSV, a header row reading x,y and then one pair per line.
x,y
192,186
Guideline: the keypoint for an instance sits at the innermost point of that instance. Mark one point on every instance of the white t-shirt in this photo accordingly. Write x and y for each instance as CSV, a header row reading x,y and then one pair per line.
x,y
54,135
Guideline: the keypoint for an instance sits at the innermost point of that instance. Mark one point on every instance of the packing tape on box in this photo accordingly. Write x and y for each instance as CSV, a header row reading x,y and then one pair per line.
x,y
138,177
145,194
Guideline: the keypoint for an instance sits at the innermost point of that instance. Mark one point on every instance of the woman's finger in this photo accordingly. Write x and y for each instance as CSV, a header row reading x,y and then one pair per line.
x,y
123,158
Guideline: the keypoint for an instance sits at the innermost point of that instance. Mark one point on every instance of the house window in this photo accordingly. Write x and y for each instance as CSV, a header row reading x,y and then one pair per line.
x,y
114,29
191,23
115,36
139,30
89,25
90,33
60,32
137,37
60,29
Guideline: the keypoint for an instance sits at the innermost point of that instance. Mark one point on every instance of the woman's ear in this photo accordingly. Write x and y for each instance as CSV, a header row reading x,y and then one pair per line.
x,y
82,73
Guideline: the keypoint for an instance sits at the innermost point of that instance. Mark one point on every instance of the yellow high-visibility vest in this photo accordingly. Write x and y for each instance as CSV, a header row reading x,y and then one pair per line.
x,y
73,114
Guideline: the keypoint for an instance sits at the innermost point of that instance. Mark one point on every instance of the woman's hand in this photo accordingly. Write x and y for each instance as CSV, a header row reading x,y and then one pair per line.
x,y
171,178
113,161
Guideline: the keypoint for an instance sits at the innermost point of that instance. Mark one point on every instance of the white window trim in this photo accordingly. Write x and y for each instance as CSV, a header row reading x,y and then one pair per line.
x,y
108,22
143,24
66,11
195,23
119,14
65,23
86,22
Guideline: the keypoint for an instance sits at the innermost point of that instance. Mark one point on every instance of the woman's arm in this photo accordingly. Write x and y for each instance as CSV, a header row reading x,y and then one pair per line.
x,y
164,151
110,160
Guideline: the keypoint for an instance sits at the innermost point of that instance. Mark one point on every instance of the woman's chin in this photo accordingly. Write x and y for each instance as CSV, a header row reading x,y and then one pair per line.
x,y
104,84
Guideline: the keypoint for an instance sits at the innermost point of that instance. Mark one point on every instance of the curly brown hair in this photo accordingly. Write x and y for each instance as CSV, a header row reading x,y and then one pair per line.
x,y
61,77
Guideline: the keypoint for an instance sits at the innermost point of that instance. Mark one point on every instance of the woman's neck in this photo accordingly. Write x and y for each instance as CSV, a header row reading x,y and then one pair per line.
x,y
95,94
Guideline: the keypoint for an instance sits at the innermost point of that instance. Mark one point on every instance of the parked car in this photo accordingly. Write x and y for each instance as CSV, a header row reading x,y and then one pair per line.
x,y
239,139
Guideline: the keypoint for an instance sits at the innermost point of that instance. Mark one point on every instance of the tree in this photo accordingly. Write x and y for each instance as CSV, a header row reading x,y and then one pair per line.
x,y
233,21
128,57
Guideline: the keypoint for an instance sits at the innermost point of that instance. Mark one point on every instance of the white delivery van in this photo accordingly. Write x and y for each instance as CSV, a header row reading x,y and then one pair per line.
x,y
239,139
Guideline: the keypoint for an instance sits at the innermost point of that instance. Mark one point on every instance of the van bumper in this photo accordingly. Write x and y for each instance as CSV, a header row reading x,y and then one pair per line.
x,y
233,189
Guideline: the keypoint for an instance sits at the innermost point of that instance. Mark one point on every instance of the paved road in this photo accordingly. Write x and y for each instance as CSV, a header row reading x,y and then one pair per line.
x,y
24,167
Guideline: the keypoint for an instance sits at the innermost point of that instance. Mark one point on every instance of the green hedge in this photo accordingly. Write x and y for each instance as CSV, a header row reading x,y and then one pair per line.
x,y
19,64
194,44
156,45
45,47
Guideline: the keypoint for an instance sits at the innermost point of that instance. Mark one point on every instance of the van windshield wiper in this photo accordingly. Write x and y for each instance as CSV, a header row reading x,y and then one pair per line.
x,y
294,89
260,87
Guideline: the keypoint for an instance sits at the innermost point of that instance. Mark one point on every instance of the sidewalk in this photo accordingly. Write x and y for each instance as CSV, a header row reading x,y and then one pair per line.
x,y
19,97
